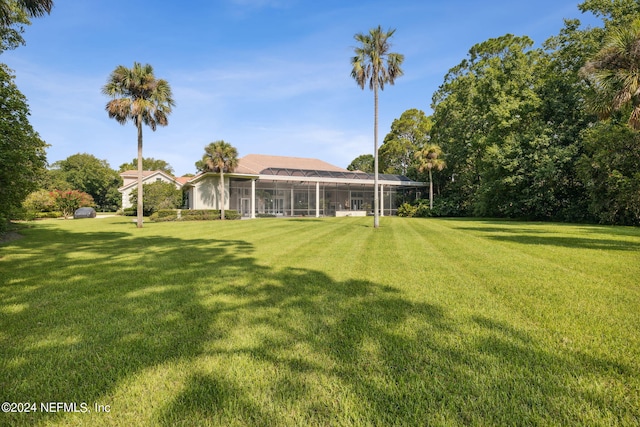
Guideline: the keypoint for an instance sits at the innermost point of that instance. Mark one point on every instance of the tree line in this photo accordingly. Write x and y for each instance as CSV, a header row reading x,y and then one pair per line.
x,y
549,133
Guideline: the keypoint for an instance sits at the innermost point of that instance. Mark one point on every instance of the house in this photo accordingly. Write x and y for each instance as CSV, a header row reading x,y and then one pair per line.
x,y
290,186
130,182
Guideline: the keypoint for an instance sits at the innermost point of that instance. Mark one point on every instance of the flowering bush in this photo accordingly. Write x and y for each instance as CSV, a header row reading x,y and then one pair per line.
x,y
67,201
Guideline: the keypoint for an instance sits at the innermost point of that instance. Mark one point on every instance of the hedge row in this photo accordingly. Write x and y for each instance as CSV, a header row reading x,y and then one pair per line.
x,y
192,215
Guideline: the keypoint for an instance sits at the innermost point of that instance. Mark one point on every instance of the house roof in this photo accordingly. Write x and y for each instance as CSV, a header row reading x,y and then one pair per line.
x,y
183,179
285,168
297,167
257,163
134,173
147,174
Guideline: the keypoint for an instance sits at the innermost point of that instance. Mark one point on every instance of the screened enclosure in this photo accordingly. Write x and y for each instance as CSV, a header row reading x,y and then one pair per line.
x,y
299,198
263,185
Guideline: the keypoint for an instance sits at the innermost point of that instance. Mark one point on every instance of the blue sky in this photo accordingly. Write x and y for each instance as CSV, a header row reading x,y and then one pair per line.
x,y
267,76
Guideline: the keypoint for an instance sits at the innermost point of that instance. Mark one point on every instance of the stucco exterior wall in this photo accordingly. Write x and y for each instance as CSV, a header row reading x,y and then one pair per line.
x,y
205,194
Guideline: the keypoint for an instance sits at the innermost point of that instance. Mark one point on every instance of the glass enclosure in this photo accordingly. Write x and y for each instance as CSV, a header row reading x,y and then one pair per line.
x,y
298,198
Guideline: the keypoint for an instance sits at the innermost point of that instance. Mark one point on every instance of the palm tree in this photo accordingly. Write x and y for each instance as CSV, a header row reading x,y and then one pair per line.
x,y
32,8
429,159
140,97
222,157
615,70
369,67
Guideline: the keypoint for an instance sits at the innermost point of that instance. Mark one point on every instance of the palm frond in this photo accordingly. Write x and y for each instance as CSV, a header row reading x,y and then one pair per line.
x,y
614,74
373,64
137,94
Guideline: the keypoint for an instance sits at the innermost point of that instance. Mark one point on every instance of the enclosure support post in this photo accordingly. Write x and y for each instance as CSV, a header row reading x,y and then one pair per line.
x,y
253,198
317,199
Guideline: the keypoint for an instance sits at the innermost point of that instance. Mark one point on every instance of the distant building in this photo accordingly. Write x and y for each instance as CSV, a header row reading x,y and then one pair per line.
x,y
287,186
130,182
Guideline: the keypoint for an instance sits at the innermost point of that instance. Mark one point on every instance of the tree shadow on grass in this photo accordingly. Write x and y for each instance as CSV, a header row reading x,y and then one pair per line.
x,y
83,311
511,232
264,346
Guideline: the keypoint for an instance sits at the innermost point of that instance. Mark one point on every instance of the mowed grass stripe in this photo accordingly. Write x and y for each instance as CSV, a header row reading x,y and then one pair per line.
x,y
566,303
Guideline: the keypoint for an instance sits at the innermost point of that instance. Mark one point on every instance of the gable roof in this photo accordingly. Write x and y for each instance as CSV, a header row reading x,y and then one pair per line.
x,y
146,175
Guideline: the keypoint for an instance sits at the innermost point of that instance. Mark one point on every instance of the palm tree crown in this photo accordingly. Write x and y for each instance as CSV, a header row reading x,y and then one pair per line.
x,y
32,8
369,63
615,70
140,97
374,65
219,156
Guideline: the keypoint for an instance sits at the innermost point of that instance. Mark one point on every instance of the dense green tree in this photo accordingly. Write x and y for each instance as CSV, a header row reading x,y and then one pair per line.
x,y
148,164
610,169
409,134
487,121
22,152
11,36
363,163
519,139
610,158
138,96
509,118
556,191
614,13
87,173
374,65
221,157
159,195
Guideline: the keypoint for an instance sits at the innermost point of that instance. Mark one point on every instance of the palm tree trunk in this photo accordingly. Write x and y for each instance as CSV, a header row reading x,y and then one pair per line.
x,y
430,190
376,203
140,195
221,187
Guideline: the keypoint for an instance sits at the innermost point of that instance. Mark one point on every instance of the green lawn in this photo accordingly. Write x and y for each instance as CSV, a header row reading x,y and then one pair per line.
x,y
322,322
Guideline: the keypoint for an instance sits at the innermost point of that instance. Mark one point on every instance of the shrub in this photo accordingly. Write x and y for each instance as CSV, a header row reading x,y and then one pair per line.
x,y
192,215
200,214
407,210
422,209
232,214
52,214
39,201
164,215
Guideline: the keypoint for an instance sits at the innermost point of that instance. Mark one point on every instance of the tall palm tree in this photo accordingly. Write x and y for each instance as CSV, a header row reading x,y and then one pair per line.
x,y
375,65
615,70
140,97
32,8
220,157
429,159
